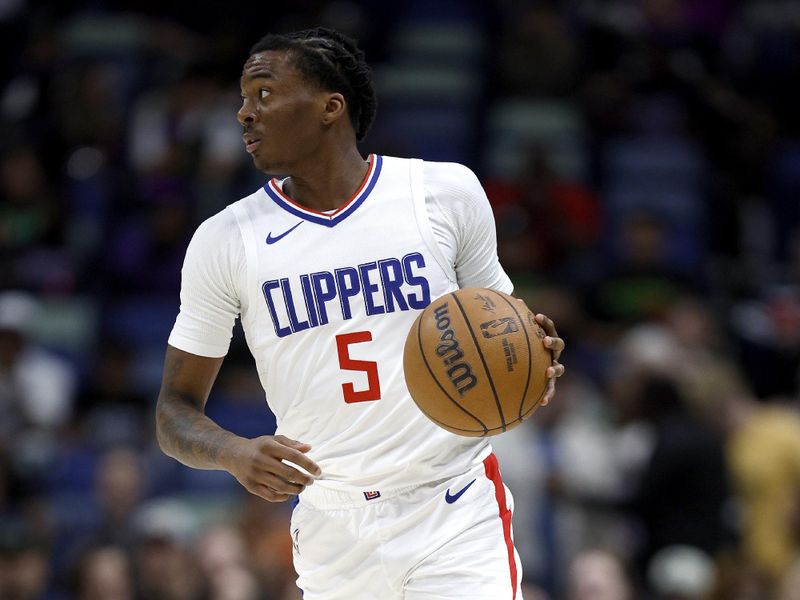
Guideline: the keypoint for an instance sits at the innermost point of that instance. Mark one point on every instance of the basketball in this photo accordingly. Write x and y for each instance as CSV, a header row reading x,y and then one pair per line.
x,y
474,362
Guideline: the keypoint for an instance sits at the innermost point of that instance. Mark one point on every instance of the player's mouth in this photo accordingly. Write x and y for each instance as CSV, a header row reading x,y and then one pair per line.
x,y
251,143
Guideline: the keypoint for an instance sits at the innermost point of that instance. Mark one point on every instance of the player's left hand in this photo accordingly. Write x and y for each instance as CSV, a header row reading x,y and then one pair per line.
x,y
555,344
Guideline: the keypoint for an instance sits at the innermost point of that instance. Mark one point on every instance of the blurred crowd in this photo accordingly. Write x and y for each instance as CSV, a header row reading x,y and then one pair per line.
x,y
643,161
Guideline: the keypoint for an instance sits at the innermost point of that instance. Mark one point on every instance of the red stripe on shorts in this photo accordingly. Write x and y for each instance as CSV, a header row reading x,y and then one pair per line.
x,y
493,473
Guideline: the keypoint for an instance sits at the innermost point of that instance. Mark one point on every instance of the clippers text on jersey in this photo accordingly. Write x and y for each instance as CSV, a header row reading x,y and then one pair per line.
x,y
314,299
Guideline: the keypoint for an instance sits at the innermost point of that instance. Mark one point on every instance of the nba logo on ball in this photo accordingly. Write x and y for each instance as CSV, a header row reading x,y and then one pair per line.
x,y
502,326
471,375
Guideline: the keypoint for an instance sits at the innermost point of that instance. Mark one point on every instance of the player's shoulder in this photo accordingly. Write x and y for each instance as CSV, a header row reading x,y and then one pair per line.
x,y
452,181
437,173
222,227
218,227
450,174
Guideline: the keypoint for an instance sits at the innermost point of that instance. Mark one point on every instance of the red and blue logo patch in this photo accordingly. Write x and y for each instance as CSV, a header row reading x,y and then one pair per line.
x,y
372,495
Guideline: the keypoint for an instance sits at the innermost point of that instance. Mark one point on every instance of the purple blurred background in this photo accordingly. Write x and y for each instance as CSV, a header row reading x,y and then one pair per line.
x,y
643,161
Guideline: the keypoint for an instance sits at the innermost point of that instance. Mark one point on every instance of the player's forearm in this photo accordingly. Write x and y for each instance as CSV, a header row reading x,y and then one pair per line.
x,y
186,434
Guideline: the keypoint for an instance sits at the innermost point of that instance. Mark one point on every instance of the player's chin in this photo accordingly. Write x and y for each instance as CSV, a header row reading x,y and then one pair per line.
x,y
259,163
265,165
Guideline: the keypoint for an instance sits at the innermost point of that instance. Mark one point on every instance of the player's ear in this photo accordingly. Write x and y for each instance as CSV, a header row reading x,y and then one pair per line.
x,y
335,108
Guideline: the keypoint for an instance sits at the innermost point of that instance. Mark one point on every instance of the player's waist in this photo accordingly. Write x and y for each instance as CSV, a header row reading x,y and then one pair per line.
x,y
334,494
321,497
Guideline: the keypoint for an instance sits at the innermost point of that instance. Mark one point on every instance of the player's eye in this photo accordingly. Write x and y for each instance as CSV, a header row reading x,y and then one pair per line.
x,y
263,93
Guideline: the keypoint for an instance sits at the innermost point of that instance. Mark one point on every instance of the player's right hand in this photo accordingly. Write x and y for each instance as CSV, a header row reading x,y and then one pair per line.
x,y
258,465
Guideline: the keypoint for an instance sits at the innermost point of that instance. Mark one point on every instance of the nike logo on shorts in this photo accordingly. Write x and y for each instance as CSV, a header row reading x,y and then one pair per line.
x,y
277,238
450,498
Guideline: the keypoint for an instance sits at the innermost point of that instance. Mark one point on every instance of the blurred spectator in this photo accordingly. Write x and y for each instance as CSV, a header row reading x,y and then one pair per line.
x,y
682,490
31,226
598,575
263,526
538,34
120,487
224,560
146,252
763,452
91,106
681,573
790,586
36,388
24,569
643,284
104,573
768,330
737,579
532,592
112,406
542,219
165,568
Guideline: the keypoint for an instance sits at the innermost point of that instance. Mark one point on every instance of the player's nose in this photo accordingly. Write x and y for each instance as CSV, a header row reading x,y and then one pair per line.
x,y
246,114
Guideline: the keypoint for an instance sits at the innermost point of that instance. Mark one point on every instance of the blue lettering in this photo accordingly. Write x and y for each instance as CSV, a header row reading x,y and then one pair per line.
x,y
392,283
386,285
370,288
322,296
297,325
308,296
267,289
347,290
414,300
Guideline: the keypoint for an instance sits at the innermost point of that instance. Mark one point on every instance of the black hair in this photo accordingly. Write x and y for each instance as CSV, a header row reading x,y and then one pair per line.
x,y
335,62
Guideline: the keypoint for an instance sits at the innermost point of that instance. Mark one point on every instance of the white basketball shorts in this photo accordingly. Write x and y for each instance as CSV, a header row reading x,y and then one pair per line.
x,y
444,540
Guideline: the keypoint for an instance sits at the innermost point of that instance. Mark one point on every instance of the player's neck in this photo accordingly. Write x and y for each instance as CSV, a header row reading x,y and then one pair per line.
x,y
327,184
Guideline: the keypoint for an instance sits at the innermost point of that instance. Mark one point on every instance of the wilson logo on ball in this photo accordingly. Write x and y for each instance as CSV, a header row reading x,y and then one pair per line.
x,y
448,348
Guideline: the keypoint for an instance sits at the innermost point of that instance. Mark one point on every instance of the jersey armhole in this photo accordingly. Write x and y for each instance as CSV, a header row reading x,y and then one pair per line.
x,y
423,220
249,242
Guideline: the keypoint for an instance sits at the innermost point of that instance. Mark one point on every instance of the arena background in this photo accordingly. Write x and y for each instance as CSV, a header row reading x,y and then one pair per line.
x,y
643,161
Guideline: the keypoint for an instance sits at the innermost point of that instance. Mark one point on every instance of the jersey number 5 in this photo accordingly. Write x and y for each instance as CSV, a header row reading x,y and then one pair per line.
x,y
373,392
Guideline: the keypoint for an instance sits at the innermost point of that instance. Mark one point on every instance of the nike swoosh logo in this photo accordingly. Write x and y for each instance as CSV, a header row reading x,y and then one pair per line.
x,y
450,498
277,238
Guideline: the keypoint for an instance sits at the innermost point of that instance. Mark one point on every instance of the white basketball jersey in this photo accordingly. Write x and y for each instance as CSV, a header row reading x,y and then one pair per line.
x,y
326,303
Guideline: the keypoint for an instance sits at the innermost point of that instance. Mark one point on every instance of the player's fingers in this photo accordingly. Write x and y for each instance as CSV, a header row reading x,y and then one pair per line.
x,y
556,370
546,323
269,494
554,344
283,452
262,491
302,461
278,484
292,475
301,446
275,470
551,390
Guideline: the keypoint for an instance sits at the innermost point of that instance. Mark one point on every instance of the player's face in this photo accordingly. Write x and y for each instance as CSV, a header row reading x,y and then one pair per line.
x,y
281,112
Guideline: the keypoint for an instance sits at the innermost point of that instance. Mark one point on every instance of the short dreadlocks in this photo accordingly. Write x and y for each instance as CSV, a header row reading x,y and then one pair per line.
x,y
335,63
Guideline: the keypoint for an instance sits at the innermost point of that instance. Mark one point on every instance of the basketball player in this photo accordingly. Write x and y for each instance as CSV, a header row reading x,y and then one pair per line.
x,y
328,269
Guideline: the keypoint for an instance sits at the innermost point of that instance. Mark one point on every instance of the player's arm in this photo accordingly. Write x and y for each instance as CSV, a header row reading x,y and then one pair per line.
x,y
186,434
211,286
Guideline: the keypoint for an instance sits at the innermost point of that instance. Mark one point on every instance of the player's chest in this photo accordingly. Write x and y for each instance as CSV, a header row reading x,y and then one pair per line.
x,y
381,229
375,262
